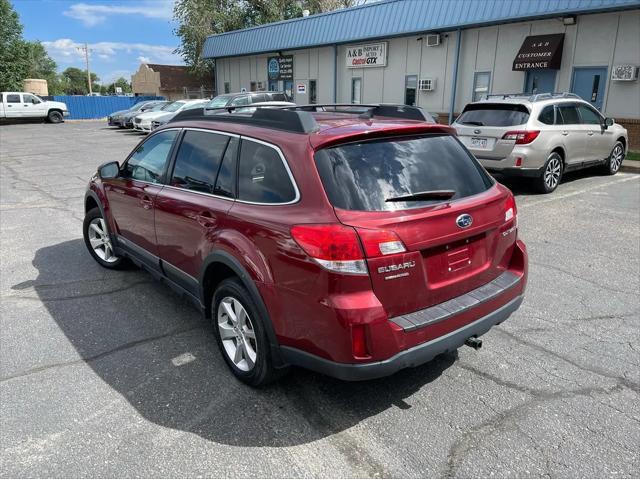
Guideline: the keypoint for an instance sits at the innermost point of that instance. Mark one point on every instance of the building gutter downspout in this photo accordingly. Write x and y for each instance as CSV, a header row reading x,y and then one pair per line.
x,y
452,104
335,74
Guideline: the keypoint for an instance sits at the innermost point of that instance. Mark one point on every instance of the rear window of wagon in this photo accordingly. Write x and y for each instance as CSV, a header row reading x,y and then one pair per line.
x,y
361,176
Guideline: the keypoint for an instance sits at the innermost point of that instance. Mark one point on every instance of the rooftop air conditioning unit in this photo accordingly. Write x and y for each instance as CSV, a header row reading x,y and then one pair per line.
x,y
427,84
433,40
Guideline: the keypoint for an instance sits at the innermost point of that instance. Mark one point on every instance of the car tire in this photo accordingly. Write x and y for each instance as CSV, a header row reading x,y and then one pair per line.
x,y
55,117
98,241
238,324
551,174
614,162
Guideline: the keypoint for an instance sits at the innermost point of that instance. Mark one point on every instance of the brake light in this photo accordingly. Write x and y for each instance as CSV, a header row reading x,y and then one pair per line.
x,y
521,137
334,247
510,209
380,242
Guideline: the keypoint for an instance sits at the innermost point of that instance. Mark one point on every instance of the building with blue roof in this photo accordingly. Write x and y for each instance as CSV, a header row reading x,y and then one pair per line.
x,y
443,54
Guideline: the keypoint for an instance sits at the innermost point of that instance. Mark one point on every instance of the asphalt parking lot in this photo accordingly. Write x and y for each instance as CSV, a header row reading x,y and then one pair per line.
x,y
90,385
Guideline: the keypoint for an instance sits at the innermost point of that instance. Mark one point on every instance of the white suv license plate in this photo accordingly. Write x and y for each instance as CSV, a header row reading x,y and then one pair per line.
x,y
479,142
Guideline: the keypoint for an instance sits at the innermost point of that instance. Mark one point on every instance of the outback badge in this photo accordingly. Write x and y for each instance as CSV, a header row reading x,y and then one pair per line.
x,y
464,220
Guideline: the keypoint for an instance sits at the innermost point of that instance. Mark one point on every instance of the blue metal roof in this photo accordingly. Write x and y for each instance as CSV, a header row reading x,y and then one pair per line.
x,y
392,18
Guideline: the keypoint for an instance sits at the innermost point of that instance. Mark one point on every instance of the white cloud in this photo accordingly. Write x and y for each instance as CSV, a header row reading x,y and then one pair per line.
x,y
93,14
65,50
112,76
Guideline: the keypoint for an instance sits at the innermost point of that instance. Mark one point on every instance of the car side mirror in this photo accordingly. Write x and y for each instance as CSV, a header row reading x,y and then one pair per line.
x,y
608,122
34,101
109,170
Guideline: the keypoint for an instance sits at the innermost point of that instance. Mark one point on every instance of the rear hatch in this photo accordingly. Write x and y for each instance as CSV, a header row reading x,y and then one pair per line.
x,y
451,246
482,126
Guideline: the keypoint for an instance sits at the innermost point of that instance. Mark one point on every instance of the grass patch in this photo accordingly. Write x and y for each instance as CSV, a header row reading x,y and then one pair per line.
x,y
633,156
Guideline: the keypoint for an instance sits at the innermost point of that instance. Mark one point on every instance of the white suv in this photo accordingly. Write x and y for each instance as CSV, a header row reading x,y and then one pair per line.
x,y
541,136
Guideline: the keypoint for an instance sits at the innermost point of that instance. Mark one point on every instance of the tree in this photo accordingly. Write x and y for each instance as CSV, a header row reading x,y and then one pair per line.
x,y
74,81
122,83
20,59
197,19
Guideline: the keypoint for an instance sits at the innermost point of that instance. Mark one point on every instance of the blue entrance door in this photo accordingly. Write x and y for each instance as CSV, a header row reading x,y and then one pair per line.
x,y
540,81
589,83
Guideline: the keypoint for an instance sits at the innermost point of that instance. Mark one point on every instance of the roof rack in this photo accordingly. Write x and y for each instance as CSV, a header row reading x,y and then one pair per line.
x,y
299,118
530,97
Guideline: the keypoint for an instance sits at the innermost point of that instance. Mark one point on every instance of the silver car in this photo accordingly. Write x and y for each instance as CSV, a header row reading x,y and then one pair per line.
x,y
541,136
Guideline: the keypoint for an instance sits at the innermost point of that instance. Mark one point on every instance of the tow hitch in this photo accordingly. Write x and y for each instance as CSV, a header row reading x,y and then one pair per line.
x,y
473,342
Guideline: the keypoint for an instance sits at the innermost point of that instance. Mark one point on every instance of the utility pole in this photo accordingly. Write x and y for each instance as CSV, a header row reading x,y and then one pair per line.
x,y
85,49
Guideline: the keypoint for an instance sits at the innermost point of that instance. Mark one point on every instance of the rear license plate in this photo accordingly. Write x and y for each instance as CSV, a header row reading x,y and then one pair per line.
x,y
479,142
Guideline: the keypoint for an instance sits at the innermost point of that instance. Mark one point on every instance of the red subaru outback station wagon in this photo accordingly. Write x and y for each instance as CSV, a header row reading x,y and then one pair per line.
x,y
353,241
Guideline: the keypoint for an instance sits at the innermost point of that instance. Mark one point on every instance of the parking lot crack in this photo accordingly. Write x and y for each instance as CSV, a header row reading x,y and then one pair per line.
x,y
99,356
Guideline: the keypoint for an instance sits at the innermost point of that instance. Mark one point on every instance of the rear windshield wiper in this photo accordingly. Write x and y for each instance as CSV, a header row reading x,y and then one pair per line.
x,y
476,123
424,195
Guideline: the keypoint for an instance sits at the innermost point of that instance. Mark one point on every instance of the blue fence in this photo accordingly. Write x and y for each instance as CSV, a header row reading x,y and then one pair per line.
x,y
90,107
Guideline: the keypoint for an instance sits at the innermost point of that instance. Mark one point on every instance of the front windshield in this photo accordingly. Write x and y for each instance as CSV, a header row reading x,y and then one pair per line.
x,y
219,101
173,106
137,106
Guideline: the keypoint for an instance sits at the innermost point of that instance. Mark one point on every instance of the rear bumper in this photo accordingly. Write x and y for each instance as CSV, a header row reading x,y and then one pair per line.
x,y
515,172
412,357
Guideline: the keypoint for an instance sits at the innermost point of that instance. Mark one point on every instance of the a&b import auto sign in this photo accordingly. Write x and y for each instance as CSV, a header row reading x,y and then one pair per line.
x,y
280,68
369,55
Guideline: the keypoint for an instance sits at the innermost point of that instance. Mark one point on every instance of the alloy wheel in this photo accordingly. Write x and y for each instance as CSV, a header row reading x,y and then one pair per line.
x,y
617,155
237,334
552,173
100,241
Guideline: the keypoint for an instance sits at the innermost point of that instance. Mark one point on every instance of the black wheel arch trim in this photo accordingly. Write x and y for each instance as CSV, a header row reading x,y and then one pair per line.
x,y
222,257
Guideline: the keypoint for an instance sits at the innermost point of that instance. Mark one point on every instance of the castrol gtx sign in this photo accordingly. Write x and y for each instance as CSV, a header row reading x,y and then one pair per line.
x,y
369,55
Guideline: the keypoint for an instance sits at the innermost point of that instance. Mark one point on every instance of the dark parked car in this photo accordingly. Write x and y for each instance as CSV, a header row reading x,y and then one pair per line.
x,y
117,118
351,243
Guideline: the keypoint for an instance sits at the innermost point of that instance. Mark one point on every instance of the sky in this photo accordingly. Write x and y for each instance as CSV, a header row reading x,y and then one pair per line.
x,y
120,33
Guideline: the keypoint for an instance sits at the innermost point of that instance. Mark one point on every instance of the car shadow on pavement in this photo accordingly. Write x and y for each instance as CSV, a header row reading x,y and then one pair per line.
x,y
524,186
131,330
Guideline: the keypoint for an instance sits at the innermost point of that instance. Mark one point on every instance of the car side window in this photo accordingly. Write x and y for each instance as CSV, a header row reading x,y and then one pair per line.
x,y
30,99
225,183
262,176
547,115
148,161
240,101
589,116
198,161
13,98
568,115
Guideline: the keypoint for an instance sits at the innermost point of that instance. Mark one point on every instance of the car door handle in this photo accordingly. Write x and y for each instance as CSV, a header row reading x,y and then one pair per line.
x,y
565,132
147,204
206,220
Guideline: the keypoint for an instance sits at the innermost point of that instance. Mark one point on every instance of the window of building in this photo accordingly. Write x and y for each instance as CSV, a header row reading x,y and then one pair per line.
x,y
313,91
263,177
198,161
253,86
410,89
356,90
273,85
589,116
481,83
148,161
227,87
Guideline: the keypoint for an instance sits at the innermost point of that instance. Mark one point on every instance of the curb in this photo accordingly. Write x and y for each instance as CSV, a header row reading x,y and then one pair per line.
x,y
630,167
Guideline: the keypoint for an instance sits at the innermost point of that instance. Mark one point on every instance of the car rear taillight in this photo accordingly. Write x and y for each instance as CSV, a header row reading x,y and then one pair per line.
x,y
522,137
510,209
333,246
380,242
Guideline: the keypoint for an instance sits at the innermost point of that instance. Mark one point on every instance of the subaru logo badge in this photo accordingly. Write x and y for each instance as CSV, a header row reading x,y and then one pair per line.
x,y
464,221
476,132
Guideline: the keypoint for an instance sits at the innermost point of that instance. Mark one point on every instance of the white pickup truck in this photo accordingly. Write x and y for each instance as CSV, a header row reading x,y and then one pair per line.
x,y
17,105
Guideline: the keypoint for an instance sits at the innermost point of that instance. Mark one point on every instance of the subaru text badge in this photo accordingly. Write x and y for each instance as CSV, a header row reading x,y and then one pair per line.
x,y
464,221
